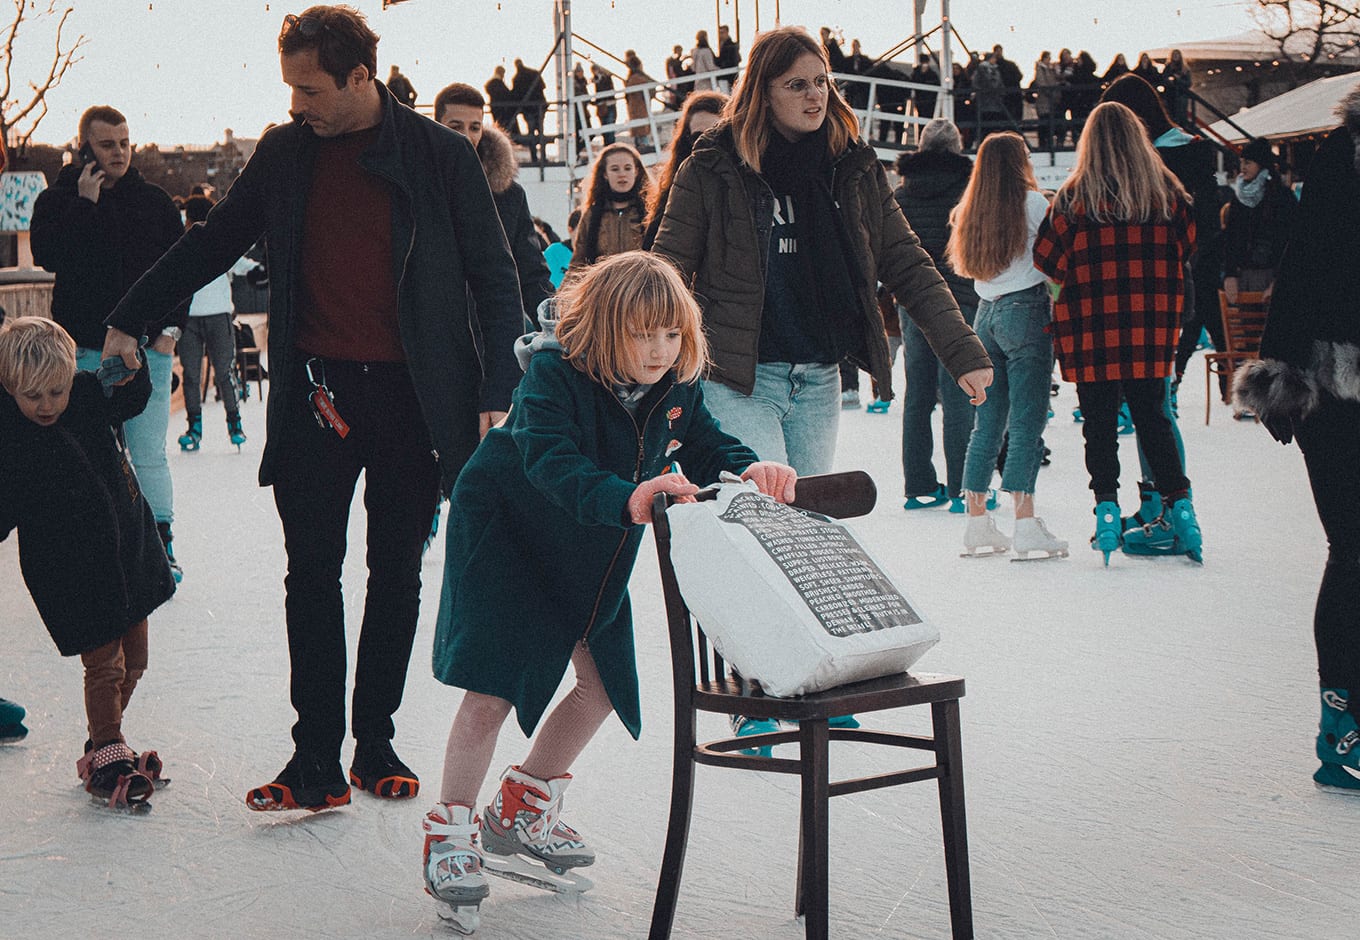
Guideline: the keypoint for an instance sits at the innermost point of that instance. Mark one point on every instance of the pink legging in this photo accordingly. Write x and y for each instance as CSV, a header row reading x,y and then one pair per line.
x,y
561,739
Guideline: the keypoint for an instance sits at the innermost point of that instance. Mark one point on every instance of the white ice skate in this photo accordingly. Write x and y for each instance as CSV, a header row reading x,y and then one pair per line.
x,y
452,864
983,538
1033,541
522,839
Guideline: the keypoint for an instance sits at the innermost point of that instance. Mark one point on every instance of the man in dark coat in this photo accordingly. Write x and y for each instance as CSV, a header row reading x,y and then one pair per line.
x,y
401,88
460,107
502,100
729,57
98,229
380,225
527,89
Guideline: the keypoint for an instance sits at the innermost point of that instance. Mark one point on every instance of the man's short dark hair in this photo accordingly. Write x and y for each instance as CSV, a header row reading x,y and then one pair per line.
x,y
196,208
340,36
100,112
456,94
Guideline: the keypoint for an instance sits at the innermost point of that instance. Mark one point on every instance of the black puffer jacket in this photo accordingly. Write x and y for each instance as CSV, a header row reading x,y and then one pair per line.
x,y
88,545
1254,236
512,205
98,250
933,181
447,243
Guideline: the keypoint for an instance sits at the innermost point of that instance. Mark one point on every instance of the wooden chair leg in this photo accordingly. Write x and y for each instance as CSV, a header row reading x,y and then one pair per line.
x,y
677,831
1208,399
953,822
813,831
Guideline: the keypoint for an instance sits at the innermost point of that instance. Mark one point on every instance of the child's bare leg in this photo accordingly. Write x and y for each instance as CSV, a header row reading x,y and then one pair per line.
x,y
104,674
472,743
1024,505
566,732
134,660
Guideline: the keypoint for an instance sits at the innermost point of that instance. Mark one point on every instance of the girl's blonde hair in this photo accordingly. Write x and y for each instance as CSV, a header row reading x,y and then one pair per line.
x,y
1118,176
989,226
35,353
749,112
635,291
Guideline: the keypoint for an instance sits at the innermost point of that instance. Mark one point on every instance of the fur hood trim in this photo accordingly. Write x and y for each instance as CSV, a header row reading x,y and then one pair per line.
x,y
1275,389
498,158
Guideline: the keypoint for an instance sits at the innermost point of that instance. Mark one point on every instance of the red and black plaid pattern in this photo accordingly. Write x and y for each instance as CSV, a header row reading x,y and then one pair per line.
x,y
1121,292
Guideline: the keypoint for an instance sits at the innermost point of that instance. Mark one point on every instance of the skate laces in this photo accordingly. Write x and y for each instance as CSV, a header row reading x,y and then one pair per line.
x,y
452,844
533,812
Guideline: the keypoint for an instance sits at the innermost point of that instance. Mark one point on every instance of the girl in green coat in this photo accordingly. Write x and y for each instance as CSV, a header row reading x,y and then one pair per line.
x,y
545,524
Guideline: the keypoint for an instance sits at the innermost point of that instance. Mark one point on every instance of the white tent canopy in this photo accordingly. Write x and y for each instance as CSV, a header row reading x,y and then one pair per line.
x,y
1309,109
1252,45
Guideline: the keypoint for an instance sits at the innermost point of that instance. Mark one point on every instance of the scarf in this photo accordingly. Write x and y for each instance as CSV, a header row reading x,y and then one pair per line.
x,y
802,168
1251,193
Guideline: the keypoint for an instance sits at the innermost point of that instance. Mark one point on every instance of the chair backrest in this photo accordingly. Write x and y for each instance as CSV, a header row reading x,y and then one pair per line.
x,y
838,495
1243,322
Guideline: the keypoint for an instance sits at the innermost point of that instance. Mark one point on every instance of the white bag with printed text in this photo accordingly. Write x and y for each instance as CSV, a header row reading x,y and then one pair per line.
x,y
789,597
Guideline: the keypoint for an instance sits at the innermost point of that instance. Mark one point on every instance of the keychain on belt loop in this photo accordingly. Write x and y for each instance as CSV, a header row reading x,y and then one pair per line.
x,y
322,401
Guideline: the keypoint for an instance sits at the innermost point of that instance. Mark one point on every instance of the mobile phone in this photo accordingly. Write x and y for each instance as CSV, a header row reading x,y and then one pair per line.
x,y
86,155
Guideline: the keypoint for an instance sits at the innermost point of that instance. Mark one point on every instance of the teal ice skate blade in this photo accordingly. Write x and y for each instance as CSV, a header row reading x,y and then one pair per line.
x,y
1337,776
1107,537
877,407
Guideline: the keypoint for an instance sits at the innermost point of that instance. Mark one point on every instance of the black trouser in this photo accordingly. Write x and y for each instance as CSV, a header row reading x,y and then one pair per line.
x,y
1100,421
1330,441
313,489
1202,311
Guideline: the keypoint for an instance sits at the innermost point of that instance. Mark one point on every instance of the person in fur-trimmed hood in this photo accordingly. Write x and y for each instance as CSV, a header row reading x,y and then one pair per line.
x,y
1306,385
461,108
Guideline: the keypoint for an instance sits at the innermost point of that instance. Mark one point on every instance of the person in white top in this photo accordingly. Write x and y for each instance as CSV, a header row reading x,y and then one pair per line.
x,y
703,60
992,238
209,328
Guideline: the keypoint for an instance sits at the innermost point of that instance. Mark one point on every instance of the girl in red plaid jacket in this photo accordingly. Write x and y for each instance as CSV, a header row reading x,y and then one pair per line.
x,y
1115,242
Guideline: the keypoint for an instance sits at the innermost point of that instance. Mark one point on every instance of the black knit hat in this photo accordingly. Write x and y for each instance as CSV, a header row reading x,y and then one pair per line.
x,y
1258,150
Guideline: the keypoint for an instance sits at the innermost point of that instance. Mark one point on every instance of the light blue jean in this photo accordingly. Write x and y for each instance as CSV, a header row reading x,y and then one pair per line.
x,y
928,381
145,434
791,416
1012,330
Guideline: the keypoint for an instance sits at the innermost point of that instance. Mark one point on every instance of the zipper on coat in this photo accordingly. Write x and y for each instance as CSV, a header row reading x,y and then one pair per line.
x,y
637,471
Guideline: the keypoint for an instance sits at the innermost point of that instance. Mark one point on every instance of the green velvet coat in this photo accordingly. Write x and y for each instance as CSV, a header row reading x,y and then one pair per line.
x,y
539,545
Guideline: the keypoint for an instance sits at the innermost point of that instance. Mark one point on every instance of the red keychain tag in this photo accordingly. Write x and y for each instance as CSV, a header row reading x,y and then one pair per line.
x,y
321,401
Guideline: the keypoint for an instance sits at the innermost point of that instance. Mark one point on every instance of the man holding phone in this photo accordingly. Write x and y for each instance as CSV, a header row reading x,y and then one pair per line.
x,y
98,229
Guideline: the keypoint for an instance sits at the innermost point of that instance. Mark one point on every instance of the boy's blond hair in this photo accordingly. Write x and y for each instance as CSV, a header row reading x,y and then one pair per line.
x,y
35,353
629,292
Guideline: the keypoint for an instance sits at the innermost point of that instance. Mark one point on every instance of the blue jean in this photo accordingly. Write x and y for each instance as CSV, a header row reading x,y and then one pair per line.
x,y
791,416
1013,331
145,434
928,381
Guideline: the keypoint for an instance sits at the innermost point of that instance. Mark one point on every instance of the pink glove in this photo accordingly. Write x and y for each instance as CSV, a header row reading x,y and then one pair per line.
x,y
640,503
772,479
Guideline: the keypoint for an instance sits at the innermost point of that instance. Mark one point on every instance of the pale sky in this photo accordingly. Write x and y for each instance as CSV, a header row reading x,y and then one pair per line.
x,y
184,70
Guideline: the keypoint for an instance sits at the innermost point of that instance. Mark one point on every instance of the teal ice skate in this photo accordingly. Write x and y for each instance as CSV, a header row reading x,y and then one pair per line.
x,y
11,722
1338,743
234,430
1186,527
192,439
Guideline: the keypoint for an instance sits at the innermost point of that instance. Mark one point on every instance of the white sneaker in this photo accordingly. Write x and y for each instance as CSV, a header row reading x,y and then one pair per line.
x,y
982,537
1032,536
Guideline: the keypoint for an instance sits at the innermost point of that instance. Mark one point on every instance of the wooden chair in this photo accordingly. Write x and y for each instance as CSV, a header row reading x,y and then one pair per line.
x,y
1243,324
713,690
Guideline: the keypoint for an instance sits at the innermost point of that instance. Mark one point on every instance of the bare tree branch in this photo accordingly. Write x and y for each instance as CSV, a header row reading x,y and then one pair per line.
x,y
12,111
1310,31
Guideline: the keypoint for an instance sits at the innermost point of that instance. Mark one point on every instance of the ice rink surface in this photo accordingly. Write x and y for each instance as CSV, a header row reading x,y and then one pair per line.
x,y
1137,741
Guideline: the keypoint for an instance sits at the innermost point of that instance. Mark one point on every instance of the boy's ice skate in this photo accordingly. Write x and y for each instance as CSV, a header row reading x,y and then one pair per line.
x,y
1338,743
235,432
114,780
11,722
983,538
192,439
522,839
307,782
1033,541
452,865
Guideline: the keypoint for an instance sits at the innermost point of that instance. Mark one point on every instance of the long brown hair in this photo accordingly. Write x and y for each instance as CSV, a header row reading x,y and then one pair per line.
x,y
748,113
682,144
634,291
1118,176
989,226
